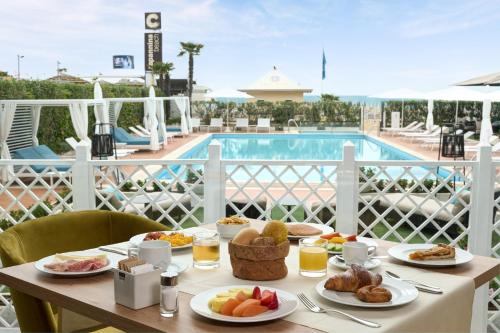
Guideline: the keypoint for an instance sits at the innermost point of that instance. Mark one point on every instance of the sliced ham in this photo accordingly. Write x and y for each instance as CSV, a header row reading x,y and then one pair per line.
x,y
86,265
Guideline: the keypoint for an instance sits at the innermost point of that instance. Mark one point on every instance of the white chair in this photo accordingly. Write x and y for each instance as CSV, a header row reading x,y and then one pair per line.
x,y
196,123
215,123
241,123
264,124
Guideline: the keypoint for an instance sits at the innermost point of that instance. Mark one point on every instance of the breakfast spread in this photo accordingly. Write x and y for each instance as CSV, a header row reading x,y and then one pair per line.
x,y
260,256
244,302
438,252
336,241
232,220
75,263
359,280
176,239
302,229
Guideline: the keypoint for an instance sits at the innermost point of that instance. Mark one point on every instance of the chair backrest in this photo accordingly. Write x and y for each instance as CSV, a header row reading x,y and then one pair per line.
x,y
36,239
71,141
468,134
263,122
410,125
241,122
216,122
195,122
417,126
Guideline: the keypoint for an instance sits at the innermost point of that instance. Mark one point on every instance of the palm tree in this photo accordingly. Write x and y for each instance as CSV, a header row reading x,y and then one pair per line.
x,y
163,69
191,49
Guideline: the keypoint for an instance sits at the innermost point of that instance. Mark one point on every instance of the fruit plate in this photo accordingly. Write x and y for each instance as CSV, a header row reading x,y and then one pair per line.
x,y
288,303
401,252
402,293
367,241
39,265
324,229
138,239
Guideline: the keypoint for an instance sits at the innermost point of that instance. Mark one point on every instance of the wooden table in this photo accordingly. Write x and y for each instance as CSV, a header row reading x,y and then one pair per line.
x,y
94,297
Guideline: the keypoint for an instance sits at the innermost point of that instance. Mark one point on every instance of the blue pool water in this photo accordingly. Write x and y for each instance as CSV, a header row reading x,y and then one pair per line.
x,y
327,146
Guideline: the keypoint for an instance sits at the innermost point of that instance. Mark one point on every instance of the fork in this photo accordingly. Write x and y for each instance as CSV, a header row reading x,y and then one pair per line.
x,y
311,306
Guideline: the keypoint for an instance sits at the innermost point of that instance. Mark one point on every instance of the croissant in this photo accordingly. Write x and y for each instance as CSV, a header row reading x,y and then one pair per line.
x,y
353,279
374,294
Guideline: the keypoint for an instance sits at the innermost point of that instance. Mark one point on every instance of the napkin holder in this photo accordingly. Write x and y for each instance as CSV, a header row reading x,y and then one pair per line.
x,y
137,291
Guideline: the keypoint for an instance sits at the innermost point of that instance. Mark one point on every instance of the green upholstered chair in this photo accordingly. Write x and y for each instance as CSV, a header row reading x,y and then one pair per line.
x,y
32,240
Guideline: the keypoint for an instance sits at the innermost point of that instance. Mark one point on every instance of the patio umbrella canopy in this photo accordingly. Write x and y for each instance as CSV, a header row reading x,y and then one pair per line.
x,y
399,94
484,80
456,94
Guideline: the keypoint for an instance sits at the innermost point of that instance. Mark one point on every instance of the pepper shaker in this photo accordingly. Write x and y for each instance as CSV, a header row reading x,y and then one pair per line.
x,y
169,294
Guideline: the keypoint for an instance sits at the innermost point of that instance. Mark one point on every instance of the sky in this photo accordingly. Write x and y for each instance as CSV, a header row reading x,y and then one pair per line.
x,y
370,45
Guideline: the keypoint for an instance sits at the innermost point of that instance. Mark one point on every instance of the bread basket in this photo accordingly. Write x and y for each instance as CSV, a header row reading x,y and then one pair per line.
x,y
259,263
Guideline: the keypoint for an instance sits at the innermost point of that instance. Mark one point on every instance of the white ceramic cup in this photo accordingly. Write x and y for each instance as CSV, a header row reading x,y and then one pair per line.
x,y
356,253
156,252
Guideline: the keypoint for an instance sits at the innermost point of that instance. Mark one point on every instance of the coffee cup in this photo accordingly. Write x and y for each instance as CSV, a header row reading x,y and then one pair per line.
x,y
156,252
356,253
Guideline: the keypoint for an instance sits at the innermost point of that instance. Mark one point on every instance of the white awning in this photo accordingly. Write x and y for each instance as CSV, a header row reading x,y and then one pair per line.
x,y
400,94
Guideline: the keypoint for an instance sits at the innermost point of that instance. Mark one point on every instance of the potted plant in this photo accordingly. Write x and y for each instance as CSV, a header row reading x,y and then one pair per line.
x,y
192,178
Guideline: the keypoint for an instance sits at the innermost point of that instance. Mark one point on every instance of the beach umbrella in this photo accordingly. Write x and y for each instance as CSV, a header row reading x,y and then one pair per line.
x,y
456,94
486,130
399,94
484,80
429,122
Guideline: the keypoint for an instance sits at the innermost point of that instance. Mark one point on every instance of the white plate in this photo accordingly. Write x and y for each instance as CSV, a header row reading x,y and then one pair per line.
x,y
324,229
138,239
402,251
288,303
370,264
402,293
367,241
47,260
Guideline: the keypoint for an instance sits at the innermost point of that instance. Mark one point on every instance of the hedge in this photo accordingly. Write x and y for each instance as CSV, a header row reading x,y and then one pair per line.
x,y
55,122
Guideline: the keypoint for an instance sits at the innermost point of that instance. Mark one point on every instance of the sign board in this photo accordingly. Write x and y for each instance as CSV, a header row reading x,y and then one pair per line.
x,y
152,49
123,62
152,21
395,119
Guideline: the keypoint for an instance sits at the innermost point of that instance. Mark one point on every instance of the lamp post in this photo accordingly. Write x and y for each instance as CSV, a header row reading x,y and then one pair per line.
x,y
19,57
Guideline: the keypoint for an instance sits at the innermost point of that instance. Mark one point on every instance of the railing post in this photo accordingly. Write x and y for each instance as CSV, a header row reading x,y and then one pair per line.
x,y
83,179
214,191
481,228
347,192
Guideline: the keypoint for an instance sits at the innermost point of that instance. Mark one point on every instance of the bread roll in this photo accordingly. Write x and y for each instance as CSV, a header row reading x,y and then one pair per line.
x,y
246,236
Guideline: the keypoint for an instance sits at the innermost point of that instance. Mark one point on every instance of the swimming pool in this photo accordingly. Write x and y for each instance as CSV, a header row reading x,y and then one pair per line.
x,y
322,146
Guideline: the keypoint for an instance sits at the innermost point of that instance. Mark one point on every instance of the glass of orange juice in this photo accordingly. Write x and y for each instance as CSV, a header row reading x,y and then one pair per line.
x,y
313,257
206,252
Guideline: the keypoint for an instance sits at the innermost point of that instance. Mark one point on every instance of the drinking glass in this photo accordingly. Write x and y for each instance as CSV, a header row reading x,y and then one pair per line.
x,y
206,250
313,257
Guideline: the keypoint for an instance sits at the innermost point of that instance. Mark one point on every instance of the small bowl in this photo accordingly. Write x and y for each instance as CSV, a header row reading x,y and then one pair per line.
x,y
230,230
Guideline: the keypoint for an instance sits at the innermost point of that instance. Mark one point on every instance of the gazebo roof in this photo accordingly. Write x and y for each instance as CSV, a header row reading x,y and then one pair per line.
x,y
484,80
275,80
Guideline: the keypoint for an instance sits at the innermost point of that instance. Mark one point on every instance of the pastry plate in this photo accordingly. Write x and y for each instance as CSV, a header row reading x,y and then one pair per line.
x,y
401,252
138,239
367,241
370,264
288,303
39,265
324,229
402,293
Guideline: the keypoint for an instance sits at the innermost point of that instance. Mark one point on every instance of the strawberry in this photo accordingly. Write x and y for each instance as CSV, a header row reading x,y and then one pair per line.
x,y
256,293
274,302
266,300
328,236
351,238
266,293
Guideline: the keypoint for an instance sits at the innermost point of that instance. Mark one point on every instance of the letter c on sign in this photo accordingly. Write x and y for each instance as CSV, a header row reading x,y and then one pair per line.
x,y
153,21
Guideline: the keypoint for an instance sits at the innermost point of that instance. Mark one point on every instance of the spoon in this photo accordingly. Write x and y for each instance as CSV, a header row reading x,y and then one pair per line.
x,y
341,258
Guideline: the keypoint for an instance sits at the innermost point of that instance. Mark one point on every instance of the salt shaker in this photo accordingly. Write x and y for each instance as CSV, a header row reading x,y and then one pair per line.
x,y
168,294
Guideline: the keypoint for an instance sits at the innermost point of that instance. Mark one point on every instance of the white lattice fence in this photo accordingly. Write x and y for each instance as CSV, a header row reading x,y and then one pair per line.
x,y
494,292
290,190
415,202
170,192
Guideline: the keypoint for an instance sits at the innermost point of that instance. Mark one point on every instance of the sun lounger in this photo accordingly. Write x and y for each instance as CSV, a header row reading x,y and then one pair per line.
x,y
143,130
215,123
414,129
138,132
432,142
131,141
241,123
264,124
434,132
71,141
407,127
41,152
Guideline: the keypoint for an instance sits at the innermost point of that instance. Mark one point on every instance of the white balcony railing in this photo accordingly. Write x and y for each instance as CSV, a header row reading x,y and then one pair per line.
x,y
404,201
